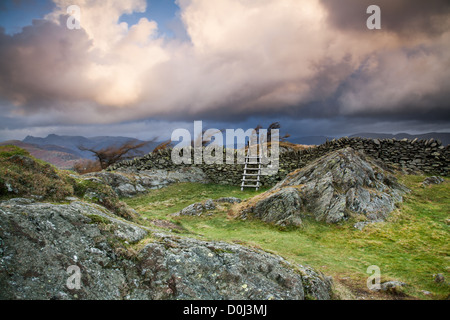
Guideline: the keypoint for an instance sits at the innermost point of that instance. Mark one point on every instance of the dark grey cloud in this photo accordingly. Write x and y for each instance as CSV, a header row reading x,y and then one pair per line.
x,y
400,16
39,66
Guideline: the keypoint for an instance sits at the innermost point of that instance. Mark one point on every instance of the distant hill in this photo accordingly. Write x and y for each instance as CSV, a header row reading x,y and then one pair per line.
x,y
63,152
60,157
443,136
73,142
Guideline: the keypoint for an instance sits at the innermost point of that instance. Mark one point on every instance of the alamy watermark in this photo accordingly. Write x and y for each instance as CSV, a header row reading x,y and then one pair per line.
x,y
374,281
74,20
208,147
74,280
374,21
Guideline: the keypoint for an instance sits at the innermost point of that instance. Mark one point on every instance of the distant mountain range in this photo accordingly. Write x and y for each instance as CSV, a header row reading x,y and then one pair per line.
x,y
73,142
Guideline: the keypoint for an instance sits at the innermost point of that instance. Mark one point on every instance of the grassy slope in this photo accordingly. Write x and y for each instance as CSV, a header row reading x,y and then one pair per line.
x,y
411,246
29,176
59,158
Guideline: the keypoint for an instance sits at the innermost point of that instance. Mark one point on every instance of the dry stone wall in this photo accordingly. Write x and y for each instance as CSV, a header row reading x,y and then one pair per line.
x,y
428,156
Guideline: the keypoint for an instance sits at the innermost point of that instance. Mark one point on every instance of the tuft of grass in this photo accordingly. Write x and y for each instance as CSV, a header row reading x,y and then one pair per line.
x,y
411,246
96,219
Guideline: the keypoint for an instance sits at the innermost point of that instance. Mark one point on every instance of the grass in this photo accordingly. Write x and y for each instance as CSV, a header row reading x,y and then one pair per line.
x,y
411,246
11,150
28,176
162,202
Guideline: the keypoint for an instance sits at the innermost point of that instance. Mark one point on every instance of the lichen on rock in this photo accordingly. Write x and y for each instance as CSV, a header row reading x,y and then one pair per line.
x,y
40,241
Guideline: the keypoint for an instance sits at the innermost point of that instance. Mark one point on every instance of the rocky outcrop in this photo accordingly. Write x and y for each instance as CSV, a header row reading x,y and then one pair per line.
x,y
129,182
191,269
280,206
46,248
333,188
40,241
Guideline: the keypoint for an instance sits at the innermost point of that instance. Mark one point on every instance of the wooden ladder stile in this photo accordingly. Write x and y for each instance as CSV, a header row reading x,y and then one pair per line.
x,y
252,172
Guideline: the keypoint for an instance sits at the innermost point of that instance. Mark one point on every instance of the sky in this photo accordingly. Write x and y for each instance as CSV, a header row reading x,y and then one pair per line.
x,y
145,68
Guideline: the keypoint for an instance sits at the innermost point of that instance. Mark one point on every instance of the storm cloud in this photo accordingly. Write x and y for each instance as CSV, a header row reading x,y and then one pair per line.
x,y
244,58
405,17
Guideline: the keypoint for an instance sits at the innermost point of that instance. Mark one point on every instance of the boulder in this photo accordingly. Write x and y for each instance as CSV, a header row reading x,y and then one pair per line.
x,y
333,188
439,278
228,200
432,180
197,209
393,287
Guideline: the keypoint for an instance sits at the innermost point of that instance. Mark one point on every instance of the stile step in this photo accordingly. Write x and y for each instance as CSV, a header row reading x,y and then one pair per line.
x,y
254,161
